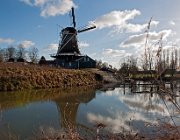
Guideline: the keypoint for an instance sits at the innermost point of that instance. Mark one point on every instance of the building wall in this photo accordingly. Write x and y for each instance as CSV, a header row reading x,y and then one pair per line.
x,y
82,62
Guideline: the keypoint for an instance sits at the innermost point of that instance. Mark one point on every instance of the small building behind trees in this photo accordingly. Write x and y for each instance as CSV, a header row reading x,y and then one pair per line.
x,y
14,59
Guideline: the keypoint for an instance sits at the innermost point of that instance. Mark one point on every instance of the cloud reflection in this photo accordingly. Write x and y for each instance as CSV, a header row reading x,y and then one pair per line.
x,y
139,110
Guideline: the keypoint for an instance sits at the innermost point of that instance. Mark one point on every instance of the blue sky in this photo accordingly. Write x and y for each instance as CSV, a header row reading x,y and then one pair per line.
x,y
120,32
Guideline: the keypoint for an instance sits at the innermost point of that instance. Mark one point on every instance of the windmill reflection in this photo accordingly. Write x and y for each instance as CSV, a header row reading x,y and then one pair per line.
x,y
67,102
68,105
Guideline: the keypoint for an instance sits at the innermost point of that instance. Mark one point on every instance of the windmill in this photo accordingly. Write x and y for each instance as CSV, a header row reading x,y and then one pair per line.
x,y
68,45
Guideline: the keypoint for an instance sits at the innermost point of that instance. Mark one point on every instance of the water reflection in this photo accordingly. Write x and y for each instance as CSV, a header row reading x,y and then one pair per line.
x,y
132,108
39,105
10,100
68,105
152,87
121,108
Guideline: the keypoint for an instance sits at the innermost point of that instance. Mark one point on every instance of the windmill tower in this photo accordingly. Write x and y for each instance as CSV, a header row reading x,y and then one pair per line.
x,y
68,105
68,54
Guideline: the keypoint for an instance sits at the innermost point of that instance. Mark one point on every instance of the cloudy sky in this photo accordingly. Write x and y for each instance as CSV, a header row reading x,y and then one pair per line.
x,y
121,25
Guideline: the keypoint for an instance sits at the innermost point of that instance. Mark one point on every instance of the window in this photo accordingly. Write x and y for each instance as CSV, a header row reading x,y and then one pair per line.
x,y
70,64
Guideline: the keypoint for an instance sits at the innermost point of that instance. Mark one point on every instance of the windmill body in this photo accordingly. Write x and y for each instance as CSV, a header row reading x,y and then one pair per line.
x,y
68,44
68,54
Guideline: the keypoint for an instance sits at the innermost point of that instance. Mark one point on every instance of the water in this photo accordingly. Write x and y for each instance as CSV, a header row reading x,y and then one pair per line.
x,y
121,109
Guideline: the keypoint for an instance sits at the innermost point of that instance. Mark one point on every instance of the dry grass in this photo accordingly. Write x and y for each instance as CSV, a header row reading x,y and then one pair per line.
x,y
168,132
164,132
15,76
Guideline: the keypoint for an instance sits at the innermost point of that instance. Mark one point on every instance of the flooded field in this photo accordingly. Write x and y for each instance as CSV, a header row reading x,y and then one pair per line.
x,y
124,108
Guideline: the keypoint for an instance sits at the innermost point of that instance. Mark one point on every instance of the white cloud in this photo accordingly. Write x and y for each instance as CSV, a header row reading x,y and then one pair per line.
x,y
136,40
51,47
27,43
118,20
137,27
140,108
27,2
118,121
114,124
115,18
60,7
172,44
51,7
172,22
83,44
135,44
40,2
6,41
114,53
133,27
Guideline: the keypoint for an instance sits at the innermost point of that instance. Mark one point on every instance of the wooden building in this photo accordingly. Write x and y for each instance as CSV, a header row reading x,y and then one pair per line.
x,y
75,62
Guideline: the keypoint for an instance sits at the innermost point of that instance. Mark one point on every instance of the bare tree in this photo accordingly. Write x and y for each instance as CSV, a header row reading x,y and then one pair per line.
x,y
21,52
172,58
175,58
167,58
98,64
10,52
128,67
105,65
147,63
124,69
1,55
179,57
33,54
149,58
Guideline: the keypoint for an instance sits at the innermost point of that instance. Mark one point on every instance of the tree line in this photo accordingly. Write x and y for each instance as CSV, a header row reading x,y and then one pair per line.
x,y
19,53
167,58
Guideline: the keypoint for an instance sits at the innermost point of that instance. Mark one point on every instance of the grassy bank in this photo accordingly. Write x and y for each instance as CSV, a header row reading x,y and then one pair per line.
x,y
14,76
